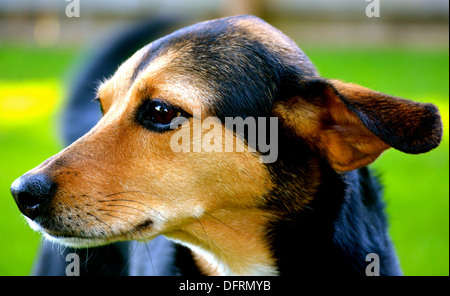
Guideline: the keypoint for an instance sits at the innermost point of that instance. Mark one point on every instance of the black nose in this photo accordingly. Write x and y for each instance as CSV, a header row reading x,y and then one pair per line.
x,y
31,192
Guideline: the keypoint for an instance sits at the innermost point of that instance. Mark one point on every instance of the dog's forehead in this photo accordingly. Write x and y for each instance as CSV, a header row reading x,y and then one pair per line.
x,y
203,39
232,66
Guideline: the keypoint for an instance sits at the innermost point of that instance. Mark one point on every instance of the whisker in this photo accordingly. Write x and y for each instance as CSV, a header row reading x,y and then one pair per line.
x,y
133,191
124,206
222,222
251,177
132,253
120,218
130,200
61,251
123,192
150,256
116,211
100,220
88,257
126,200
204,231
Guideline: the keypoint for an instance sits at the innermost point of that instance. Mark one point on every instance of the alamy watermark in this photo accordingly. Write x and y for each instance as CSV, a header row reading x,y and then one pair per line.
x,y
73,266
373,8
73,8
373,268
211,135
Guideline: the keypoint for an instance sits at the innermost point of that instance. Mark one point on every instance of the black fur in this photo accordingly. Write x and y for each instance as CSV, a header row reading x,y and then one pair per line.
x,y
333,234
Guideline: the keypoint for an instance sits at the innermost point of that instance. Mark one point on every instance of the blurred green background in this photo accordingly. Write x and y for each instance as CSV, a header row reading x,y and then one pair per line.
x,y
34,80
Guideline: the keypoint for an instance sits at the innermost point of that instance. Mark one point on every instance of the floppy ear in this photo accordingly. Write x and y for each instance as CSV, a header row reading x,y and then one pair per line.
x,y
351,125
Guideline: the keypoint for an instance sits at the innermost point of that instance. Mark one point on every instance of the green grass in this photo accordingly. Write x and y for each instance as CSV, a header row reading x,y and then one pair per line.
x,y
30,93
416,187
19,63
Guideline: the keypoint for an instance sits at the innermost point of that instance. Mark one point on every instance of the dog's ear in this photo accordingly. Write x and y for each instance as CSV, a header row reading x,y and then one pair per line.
x,y
351,125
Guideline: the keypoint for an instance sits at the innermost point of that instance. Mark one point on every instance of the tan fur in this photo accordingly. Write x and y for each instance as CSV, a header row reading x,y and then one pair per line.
x,y
234,237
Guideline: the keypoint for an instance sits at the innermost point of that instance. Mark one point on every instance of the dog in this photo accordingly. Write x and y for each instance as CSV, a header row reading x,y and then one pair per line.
x,y
316,208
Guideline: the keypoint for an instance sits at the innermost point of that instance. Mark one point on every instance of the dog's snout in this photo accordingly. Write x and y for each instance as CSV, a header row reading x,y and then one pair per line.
x,y
31,192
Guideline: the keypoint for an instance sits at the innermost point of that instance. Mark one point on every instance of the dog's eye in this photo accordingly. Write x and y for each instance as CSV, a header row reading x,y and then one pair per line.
x,y
163,114
157,115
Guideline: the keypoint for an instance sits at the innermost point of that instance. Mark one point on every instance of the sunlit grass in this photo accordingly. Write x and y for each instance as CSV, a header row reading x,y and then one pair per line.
x,y
25,101
27,137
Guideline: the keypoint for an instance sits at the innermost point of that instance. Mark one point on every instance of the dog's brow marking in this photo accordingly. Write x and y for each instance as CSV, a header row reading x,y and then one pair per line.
x,y
153,67
146,57
149,53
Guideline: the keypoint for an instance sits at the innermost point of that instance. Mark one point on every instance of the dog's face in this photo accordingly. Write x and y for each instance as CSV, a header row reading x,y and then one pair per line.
x,y
123,181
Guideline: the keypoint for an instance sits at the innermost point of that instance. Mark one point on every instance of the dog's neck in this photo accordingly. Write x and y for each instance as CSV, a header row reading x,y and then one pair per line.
x,y
237,241
297,233
229,243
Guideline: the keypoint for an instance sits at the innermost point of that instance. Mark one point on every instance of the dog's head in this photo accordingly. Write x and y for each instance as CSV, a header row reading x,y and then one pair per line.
x,y
124,181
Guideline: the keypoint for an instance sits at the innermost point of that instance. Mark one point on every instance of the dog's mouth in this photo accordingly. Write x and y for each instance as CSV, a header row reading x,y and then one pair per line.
x,y
67,238
76,242
88,237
